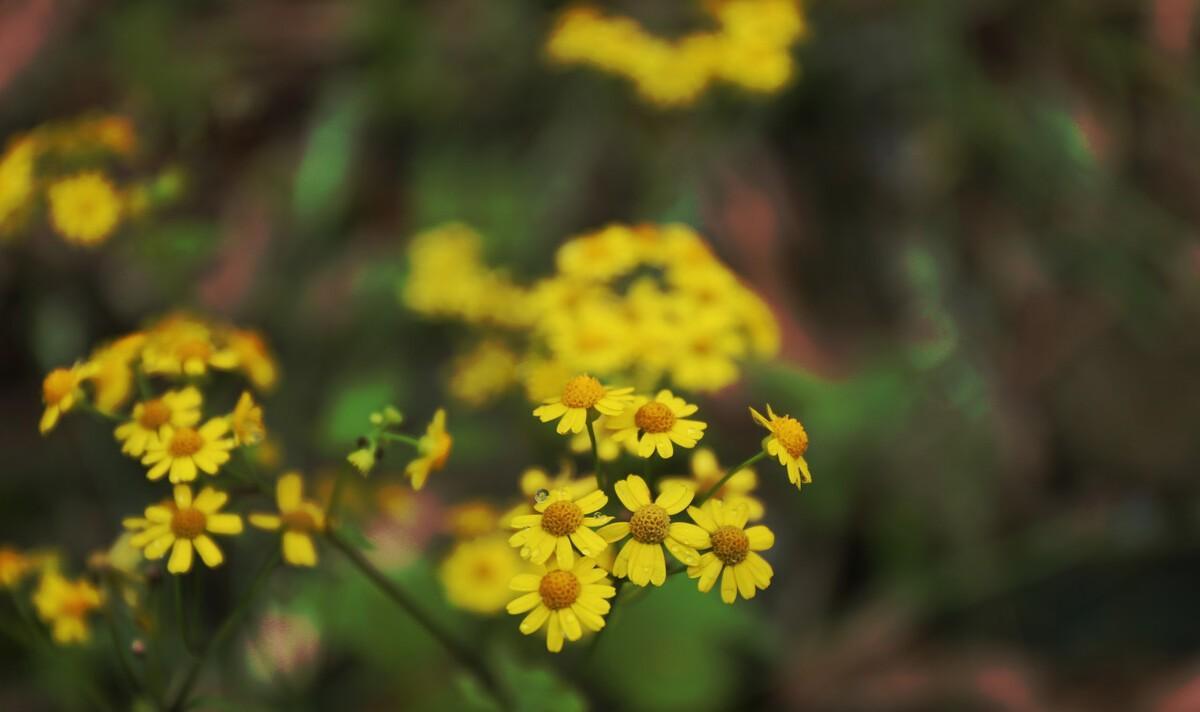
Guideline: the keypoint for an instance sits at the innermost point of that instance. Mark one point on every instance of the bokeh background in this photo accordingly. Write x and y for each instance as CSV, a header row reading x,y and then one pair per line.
x,y
974,220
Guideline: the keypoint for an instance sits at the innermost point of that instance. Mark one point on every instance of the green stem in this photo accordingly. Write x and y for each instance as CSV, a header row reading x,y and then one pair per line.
x,y
468,659
143,383
335,496
193,673
732,471
401,438
181,617
601,475
119,650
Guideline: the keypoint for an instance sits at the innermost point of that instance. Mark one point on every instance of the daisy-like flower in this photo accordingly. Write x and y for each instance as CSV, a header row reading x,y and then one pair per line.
x,y
299,519
476,574
656,424
181,345
707,472
61,390
651,528
64,605
560,521
177,409
581,394
568,599
246,420
788,442
433,450
183,526
182,451
84,208
734,557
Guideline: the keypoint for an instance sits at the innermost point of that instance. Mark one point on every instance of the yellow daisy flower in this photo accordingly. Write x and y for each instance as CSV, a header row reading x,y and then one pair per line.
x,y
246,420
579,395
561,521
181,345
641,559
14,565
184,527
568,599
707,472
788,442
16,180
734,557
434,450
182,451
660,422
60,392
84,208
112,381
64,605
477,573
177,409
298,517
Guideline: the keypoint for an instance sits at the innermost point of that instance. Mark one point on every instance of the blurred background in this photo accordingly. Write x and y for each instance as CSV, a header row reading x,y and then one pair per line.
x,y
974,221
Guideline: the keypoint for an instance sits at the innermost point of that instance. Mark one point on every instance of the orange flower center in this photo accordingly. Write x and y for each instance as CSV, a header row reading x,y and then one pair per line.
x,y
188,523
559,589
76,605
730,544
155,414
299,520
194,349
790,433
58,385
654,417
650,524
185,443
582,392
562,517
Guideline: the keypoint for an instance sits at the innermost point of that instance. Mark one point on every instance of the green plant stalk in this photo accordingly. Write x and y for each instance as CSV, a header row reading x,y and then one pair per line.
x,y
401,438
184,634
699,501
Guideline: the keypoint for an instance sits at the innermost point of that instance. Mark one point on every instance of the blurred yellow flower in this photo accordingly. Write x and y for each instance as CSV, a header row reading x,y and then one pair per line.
x,y
560,521
184,450
734,556
565,600
61,391
476,574
473,519
484,373
246,421
180,345
579,395
253,357
84,208
787,442
299,519
363,459
14,565
112,379
655,424
65,605
651,529
184,527
433,450
150,418
16,182
707,472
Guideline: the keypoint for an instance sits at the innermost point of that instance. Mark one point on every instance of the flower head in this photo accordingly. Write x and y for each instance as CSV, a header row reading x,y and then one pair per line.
x,y
246,420
84,208
788,442
433,451
182,345
65,606
151,418
182,451
656,424
650,529
61,390
561,521
112,379
183,525
299,519
566,600
580,395
734,556
476,574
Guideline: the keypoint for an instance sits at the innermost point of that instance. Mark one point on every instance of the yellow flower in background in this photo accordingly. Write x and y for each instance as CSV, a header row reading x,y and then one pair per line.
x,y
84,208
655,424
16,181
433,451
471,520
253,357
708,353
184,527
65,605
60,392
483,374
476,574
650,529
560,521
182,451
14,565
112,379
180,345
150,419
734,557
787,442
707,472
299,519
246,421
603,255
579,395
543,378
564,600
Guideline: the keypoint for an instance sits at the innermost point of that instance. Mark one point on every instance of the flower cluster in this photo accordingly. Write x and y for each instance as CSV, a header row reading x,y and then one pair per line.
x,y
640,304
64,169
750,48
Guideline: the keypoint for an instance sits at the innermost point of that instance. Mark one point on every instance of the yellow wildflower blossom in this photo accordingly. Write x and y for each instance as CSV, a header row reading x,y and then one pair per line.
x,y
734,557
65,605
476,574
150,418
14,565
787,442
61,391
483,374
565,600
651,529
560,521
655,424
181,451
433,450
246,421
299,519
707,472
84,208
184,527
180,345
579,395
474,519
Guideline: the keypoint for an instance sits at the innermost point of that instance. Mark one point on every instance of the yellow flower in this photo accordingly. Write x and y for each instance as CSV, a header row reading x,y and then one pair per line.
x,y
484,374
569,599
150,418
253,357
363,459
298,517
734,557
65,605
61,391
16,181
706,472
708,351
13,566
84,208
543,378
471,520
113,376
561,521
788,442
246,420
601,256
180,345
579,395
651,528
433,450
660,422
182,451
477,573
184,527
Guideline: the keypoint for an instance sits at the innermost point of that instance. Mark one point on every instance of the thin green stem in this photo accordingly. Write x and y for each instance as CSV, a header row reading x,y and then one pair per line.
x,y
335,496
182,618
143,383
227,626
601,475
119,650
401,438
464,655
732,471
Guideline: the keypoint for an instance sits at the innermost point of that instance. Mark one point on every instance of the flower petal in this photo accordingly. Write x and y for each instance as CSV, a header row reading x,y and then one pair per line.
x,y
523,603
760,538
209,553
298,549
675,498
690,535
288,491
181,557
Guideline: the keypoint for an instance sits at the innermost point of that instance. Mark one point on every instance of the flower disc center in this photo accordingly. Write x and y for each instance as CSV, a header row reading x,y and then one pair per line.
x,y
155,414
188,523
582,392
185,442
730,544
654,417
792,436
650,524
562,517
559,589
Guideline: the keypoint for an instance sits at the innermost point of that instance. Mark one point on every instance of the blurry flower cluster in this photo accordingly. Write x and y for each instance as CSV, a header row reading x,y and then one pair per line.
x,y
750,48
644,304
69,171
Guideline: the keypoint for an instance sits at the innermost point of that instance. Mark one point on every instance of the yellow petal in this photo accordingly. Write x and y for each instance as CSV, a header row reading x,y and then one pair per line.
x,y
592,501
675,498
523,603
614,532
270,522
525,582
181,557
728,585
570,624
209,553
183,496
288,491
535,620
760,538
564,553
210,500
554,635
224,524
298,549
